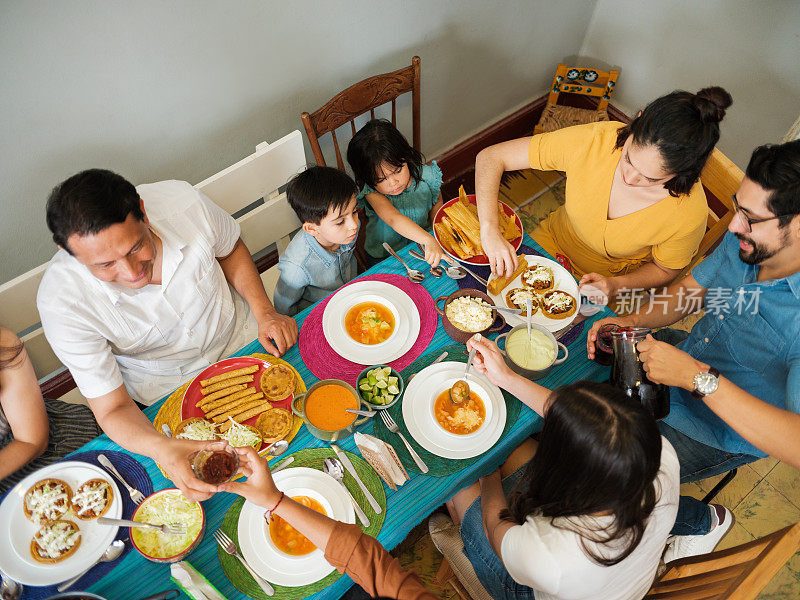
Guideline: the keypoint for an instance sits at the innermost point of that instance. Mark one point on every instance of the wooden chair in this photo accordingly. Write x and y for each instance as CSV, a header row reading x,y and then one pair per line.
x,y
738,573
582,81
355,101
238,189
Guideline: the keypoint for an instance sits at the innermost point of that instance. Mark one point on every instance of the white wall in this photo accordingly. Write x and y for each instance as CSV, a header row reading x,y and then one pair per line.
x,y
749,47
182,89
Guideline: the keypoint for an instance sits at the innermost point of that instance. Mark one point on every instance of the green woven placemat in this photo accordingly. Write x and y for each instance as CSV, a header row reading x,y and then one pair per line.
x,y
438,465
312,458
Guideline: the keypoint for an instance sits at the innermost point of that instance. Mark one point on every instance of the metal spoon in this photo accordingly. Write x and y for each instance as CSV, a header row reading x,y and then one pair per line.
x,y
9,589
529,312
361,413
275,449
334,468
510,311
453,271
112,553
166,430
460,389
413,274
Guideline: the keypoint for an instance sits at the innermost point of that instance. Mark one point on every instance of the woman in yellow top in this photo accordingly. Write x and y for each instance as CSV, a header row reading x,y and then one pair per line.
x,y
635,210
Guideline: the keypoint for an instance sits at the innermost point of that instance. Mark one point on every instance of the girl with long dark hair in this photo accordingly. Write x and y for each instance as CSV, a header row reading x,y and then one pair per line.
x,y
588,510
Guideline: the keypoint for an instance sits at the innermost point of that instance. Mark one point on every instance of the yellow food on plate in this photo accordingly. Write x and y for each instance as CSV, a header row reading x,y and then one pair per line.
x,y
369,323
518,297
256,402
278,381
223,394
215,387
169,506
92,499
498,284
463,418
235,405
557,304
195,428
239,436
47,500
229,375
286,538
274,424
539,277
55,541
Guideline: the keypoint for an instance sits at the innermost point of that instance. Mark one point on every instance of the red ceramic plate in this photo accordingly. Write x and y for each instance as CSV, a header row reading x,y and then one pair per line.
x,y
481,258
193,394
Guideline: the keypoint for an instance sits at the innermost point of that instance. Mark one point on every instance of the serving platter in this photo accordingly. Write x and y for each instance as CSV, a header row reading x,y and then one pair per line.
x,y
405,312
420,396
480,259
15,557
257,546
563,281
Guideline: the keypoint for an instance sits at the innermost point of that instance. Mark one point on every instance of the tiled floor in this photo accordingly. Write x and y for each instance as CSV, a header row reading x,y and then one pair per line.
x,y
764,496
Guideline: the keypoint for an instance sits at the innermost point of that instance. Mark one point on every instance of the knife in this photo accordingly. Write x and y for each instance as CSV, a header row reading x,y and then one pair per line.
x,y
348,466
480,279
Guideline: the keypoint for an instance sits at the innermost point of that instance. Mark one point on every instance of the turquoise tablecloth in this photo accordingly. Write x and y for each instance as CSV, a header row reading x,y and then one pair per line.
x,y
136,577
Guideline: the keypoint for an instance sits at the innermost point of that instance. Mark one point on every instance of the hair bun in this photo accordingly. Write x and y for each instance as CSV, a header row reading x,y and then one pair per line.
x,y
712,102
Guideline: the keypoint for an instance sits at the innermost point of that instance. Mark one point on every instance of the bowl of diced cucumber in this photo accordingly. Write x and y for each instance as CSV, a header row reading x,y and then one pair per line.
x,y
380,386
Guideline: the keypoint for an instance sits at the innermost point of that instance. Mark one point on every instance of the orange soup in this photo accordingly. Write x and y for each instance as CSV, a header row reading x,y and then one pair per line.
x,y
369,323
461,418
286,537
325,407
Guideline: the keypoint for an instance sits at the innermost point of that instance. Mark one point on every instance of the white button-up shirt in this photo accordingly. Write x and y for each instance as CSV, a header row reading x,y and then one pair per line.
x,y
155,338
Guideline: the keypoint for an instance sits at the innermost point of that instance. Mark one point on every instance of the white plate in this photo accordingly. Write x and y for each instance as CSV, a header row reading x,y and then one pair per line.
x,y
564,281
257,547
418,400
15,558
407,322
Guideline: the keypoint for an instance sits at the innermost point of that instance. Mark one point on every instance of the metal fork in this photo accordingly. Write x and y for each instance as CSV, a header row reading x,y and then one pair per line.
x,y
135,494
228,546
392,426
168,528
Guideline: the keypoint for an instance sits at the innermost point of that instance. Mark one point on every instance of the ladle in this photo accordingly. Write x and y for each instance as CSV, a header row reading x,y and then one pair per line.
x,y
459,391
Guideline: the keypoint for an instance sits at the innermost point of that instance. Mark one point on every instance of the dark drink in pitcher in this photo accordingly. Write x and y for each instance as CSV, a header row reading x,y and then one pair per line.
x,y
627,372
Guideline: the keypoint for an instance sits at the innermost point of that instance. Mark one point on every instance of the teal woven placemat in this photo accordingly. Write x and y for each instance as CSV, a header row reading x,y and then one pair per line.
x,y
237,574
438,465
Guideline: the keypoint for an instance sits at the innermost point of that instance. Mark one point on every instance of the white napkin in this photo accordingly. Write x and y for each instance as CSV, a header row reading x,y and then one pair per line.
x,y
193,583
380,450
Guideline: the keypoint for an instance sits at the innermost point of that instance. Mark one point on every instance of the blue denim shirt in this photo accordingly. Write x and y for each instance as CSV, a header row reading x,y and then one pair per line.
x,y
309,273
751,334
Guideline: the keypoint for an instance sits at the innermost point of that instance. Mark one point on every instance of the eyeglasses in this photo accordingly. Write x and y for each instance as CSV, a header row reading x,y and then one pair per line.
x,y
748,222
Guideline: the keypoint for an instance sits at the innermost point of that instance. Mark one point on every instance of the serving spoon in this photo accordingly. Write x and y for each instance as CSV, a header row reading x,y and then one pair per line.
x,y
275,448
459,391
412,274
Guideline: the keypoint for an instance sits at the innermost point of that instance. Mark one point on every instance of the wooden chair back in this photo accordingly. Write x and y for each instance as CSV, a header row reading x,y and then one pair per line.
x,y
738,573
721,179
359,98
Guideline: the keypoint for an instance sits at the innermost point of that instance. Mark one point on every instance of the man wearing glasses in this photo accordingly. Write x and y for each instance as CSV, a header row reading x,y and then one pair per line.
x,y
735,379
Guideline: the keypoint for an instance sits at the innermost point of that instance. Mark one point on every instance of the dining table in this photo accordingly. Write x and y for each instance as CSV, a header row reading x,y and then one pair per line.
x,y
135,577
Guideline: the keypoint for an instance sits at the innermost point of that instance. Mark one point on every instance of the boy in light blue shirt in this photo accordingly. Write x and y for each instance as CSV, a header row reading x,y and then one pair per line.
x,y
319,259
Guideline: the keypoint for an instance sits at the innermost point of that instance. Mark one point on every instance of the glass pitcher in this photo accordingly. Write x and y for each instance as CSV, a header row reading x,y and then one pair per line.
x,y
627,372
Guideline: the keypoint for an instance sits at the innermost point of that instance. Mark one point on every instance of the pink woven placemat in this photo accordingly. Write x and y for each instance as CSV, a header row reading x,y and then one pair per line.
x,y
325,363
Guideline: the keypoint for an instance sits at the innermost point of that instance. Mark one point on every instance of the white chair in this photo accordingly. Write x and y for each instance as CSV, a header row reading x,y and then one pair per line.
x,y
249,190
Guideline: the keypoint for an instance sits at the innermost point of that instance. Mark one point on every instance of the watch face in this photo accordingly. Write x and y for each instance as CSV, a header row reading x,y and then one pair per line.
x,y
705,383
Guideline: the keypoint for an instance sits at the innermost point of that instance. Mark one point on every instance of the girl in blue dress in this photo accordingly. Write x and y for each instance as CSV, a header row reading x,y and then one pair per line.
x,y
401,192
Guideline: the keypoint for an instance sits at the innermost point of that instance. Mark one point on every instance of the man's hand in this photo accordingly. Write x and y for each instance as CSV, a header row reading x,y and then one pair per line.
x,y
599,289
664,363
502,256
591,337
277,333
259,488
176,460
489,361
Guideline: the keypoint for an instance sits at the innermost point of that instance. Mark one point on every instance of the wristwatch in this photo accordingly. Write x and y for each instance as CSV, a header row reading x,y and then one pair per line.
x,y
706,383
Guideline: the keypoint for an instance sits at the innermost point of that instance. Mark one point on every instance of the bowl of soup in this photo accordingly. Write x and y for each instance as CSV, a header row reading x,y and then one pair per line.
x,y
372,320
286,539
324,406
531,356
461,419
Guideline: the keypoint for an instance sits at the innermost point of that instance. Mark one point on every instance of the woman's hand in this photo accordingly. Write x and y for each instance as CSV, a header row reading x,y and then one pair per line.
x,y
501,254
489,361
259,488
664,363
433,251
591,337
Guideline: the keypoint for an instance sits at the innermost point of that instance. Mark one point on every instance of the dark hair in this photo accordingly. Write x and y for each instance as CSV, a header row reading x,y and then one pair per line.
x,y
377,142
599,451
317,190
776,167
89,202
685,128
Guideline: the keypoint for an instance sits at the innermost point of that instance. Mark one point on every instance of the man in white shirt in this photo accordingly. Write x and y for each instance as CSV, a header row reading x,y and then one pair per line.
x,y
150,285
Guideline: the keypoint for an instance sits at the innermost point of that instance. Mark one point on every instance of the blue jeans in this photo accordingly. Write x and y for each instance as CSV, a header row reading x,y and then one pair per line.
x,y
697,461
488,566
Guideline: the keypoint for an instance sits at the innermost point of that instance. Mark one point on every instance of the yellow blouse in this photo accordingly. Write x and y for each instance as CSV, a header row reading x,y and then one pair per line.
x,y
667,232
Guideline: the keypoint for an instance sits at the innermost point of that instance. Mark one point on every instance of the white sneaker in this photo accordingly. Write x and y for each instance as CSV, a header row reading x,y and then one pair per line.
x,y
692,545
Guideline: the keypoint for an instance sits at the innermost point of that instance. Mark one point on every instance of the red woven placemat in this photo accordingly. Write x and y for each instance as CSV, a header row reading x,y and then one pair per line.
x,y
325,363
